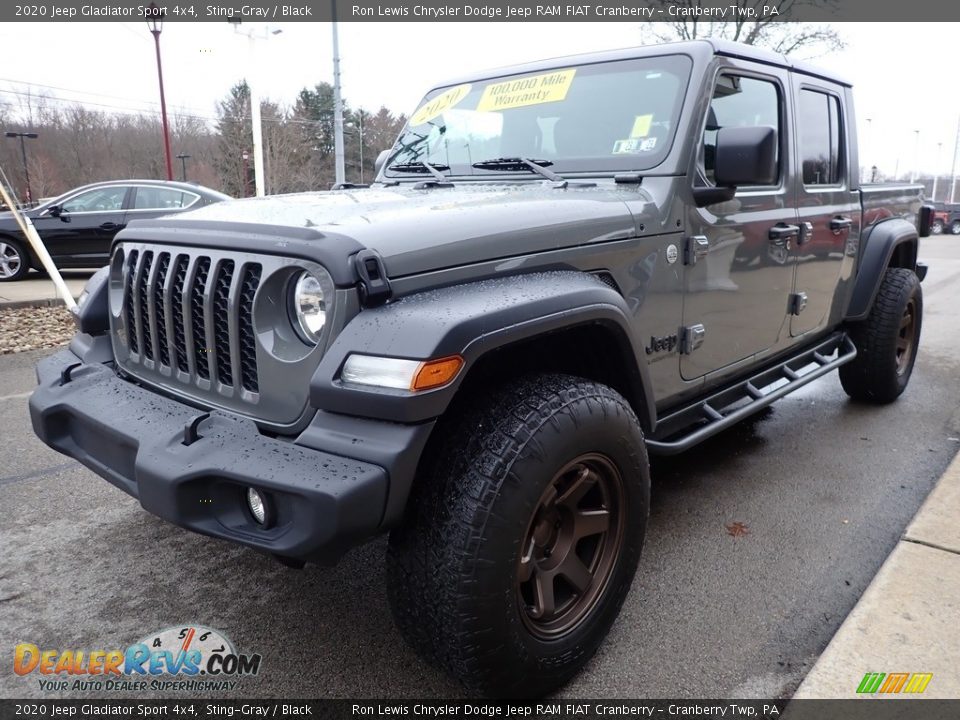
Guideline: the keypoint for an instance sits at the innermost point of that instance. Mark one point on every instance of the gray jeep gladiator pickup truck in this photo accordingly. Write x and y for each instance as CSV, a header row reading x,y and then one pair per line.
x,y
560,268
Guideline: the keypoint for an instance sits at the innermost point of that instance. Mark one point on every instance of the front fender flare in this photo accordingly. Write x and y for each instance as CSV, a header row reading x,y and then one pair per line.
x,y
471,320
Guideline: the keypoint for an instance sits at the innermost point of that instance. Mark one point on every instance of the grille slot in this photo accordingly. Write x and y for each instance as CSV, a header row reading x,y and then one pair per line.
x,y
143,279
128,302
160,308
201,355
221,321
190,317
249,379
179,332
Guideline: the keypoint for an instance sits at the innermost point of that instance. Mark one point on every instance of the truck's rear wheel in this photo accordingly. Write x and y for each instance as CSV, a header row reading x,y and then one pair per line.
x,y
937,227
955,227
886,341
523,535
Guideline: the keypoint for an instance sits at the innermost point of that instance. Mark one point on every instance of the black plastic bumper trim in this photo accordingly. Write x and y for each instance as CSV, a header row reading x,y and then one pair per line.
x,y
132,437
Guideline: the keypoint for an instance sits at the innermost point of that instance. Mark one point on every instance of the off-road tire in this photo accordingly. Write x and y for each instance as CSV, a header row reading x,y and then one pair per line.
x,y
453,565
955,227
880,372
13,250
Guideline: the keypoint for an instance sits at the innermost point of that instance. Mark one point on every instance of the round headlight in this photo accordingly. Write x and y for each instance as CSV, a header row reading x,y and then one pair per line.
x,y
310,307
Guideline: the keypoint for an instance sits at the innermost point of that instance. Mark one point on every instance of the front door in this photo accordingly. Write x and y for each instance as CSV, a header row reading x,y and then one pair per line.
x,y
81,235
738,281
828,209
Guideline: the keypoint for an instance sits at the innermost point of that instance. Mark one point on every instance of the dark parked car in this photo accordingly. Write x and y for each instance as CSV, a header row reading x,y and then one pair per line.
x,y
79,226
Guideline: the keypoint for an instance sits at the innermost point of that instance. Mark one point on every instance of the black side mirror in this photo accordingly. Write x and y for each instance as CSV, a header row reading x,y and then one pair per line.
x,y
746,156
381,159
743,156
54,211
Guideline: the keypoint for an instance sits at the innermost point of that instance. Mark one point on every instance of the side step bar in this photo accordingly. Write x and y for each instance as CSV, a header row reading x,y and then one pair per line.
x,y
688,426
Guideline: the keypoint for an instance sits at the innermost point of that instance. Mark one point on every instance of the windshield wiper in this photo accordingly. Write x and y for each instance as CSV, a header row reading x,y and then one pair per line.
x,y
421,166
519,163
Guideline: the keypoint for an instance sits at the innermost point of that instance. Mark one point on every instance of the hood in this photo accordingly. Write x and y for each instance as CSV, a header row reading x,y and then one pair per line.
x,y
420,230
9,222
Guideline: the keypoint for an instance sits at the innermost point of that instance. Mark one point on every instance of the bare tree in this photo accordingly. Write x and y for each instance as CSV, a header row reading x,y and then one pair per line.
x,y
781,33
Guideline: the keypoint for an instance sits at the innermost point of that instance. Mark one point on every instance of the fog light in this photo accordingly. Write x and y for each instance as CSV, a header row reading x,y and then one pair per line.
x,y
257,505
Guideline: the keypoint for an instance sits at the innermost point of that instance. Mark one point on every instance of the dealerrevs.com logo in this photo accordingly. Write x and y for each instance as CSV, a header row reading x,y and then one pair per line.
x,y
190,657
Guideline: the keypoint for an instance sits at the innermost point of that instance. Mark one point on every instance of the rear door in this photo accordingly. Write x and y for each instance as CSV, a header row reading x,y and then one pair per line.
x,y
738,285
828,203
151,201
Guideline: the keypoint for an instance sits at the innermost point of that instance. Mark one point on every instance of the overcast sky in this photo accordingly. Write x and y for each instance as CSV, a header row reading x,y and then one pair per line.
x,y
902,72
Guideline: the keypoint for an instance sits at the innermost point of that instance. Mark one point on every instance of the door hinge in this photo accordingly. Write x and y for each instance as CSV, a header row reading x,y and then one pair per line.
x,y
691,337
697,246
797,303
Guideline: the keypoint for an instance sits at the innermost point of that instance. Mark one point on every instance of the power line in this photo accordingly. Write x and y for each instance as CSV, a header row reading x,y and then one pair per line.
x,y
148,111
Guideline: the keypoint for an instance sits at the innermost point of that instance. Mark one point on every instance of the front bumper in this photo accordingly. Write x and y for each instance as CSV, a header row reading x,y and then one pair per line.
x,y
322,503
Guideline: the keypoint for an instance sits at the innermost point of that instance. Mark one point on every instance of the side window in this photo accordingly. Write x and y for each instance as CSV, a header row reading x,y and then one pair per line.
x,y
738,102
158,198
99,200
818,121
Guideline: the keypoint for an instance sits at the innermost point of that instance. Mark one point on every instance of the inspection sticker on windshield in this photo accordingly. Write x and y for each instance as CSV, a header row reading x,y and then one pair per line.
x,y
641,126
440,104
533,90
632,146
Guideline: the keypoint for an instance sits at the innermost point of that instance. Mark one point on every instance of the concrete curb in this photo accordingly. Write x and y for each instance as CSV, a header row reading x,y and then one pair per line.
x,y
907,619
40,303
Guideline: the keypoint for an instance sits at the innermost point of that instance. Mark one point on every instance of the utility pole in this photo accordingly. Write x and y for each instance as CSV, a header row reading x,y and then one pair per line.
x,y
253,85
182,157
339,175
23,154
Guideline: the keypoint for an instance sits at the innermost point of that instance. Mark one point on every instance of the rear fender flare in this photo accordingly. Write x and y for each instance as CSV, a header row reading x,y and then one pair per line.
x,y
878,247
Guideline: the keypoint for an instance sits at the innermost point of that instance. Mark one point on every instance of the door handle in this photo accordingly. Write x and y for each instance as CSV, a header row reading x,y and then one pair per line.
x,y
840,223
806,233
110,226
781,233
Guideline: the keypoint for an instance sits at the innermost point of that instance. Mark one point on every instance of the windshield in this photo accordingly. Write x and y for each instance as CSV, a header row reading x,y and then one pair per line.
x,y
611,116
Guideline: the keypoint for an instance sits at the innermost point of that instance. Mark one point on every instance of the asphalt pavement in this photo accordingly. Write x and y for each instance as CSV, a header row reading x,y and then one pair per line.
x,y
760,542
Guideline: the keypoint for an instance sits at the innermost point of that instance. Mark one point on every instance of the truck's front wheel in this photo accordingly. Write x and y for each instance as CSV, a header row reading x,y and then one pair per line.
x,y
523,535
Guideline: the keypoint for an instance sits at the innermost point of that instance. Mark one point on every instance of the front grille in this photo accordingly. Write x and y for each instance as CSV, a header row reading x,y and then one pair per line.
x,y
190,317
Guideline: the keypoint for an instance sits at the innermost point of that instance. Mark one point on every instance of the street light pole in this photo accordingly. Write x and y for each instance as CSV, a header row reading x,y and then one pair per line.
x,y
182,157
155,23
23,154
339,174
936,172
916,156
246,173
953,169
360,129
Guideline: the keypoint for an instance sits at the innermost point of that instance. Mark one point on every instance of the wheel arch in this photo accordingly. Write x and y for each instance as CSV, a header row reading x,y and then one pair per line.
x,y
507,325
891,243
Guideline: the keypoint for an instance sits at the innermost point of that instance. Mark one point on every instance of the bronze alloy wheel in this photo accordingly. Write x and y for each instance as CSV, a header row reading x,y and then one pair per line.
x,y
570,546
905,337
